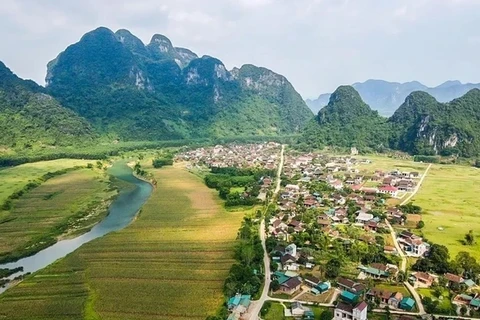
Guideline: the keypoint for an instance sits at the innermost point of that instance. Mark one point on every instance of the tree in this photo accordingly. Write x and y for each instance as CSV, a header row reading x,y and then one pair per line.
x,y
332,269
439,257
477,163
420,224
469,238
326,315
430,305
463,310
401,276
274,285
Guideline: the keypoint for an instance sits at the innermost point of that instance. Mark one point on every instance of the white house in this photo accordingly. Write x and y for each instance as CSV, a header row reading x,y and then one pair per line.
x,y
291,249
345,311
412,244
392,191
363,217
298,310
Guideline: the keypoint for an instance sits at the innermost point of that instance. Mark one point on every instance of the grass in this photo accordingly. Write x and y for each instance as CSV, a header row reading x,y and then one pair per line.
x,y
449,197
394,288
169,264
42,214
16,178
444,303
276,312
388,164
237,189
325,297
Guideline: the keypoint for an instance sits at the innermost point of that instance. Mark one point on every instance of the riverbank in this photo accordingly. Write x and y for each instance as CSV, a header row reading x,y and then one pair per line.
x,y
65,205
122,211
180,246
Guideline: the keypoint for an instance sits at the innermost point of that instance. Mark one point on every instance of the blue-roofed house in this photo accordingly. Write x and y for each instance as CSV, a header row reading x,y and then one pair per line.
x,y
280,277
469,283
475,303
407,304
238,305
348,297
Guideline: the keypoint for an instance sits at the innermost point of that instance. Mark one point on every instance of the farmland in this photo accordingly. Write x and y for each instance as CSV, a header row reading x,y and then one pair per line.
x,y
41,214
449,197
386,163
16,178
169,264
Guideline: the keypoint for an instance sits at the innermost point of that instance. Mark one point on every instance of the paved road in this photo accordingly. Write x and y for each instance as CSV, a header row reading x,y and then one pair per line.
x,y
416,296
257,305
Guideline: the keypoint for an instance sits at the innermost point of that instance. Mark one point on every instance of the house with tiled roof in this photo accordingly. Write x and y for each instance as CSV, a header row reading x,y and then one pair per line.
x,y
453,279
291,285
352,312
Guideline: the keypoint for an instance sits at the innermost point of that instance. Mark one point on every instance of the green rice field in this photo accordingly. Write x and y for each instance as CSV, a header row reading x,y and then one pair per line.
x,y
169,264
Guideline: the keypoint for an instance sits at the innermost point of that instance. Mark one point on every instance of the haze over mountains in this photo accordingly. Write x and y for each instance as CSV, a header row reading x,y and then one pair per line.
x,y
386,97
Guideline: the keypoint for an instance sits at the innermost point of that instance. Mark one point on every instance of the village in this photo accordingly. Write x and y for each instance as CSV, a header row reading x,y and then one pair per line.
x,y
339,236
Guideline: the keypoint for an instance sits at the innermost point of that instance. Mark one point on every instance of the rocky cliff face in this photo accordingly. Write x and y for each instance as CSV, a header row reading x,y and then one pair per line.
x,y
422,125
159,91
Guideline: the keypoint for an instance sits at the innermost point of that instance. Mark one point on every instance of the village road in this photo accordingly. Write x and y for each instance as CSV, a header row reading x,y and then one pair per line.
x,y
403,265
257,305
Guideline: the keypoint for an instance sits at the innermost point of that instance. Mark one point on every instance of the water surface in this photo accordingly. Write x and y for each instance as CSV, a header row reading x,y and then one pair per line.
x,y
122,211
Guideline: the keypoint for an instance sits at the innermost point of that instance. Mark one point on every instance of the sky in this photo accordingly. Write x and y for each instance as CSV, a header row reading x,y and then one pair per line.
x,y
317,44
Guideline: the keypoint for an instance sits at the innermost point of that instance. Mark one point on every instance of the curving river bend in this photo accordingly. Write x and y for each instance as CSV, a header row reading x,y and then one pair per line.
x,y
122,211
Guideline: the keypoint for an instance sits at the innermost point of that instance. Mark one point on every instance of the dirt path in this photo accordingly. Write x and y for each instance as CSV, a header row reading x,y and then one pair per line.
x,y
403,265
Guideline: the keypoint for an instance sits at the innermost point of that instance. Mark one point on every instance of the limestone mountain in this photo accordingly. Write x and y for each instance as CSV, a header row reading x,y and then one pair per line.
x,y
158,91
347,121
422,125
29,117
386,97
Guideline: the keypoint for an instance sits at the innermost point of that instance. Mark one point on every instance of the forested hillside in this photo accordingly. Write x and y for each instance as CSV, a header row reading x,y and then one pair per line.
x,y
30,118
346,122
158,92
421,125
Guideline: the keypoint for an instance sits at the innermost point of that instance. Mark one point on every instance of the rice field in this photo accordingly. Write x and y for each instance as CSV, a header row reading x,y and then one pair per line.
x,y
389,164
450,198
15,178
169,264
40,214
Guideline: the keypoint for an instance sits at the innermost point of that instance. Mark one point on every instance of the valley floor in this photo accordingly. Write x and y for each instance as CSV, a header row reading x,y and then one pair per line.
x,y
72,201
450,199
169,264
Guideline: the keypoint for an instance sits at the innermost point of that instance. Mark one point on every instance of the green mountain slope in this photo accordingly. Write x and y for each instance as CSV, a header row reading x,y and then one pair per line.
x,y
157,91
29,117
347,121
422,125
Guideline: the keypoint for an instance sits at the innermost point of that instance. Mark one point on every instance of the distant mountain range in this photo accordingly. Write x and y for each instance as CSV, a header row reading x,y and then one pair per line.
x,y
421,125
386,97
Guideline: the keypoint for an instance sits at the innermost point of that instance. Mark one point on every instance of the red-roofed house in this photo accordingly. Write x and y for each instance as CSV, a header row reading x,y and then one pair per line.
x,y
392,191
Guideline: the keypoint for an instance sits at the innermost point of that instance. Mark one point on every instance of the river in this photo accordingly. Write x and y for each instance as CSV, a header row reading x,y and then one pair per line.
x,y
122,211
